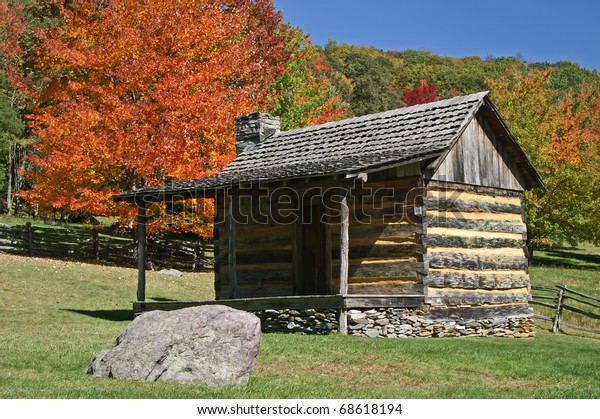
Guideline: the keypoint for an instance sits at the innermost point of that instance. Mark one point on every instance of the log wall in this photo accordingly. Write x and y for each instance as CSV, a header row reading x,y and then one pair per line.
x,y
475,246
384,254
458,245
264,252
384,240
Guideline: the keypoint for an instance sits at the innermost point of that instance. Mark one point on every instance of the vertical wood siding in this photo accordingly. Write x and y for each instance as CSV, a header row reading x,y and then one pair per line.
x,y
479,158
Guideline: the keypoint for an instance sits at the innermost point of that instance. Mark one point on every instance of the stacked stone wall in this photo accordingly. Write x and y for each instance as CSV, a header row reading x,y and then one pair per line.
x,y
309,321
404,323
392,323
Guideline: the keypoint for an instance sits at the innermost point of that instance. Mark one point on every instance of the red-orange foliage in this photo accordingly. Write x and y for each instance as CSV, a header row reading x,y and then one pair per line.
x,y
423,93
575,139
12,28
139,91
10,24
333,108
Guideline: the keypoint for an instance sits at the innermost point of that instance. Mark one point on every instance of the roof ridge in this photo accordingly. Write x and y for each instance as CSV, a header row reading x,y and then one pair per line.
x,y
390,113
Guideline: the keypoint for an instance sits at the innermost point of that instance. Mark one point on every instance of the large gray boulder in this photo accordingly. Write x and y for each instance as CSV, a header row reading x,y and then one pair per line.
x,y
212,345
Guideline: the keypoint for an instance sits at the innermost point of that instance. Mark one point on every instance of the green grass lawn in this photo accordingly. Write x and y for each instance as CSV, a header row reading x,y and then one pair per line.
x,y
584,256
578,269
55,316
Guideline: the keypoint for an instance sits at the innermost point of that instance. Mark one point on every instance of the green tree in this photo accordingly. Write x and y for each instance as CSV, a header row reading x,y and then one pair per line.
x,y
371,75
567,77
13,142
308,95
14,34
561,136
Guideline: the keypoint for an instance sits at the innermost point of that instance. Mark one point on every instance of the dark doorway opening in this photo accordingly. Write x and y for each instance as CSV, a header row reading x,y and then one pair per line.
x,y
313,251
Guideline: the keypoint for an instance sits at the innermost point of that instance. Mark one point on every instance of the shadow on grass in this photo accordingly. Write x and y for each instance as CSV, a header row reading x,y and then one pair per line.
x,y
565,258
161,299
110,315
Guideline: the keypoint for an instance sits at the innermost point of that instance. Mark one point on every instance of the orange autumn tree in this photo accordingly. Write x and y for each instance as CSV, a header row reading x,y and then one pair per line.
x,y
140,92
561,134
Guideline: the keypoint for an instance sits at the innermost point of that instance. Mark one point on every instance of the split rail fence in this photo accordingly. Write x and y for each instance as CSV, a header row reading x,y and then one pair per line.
x,y
100,246
560,300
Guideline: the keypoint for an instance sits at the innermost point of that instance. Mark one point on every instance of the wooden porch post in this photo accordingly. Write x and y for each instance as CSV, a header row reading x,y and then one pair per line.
x,y
141,236
328,261
344,240
296,257
231,251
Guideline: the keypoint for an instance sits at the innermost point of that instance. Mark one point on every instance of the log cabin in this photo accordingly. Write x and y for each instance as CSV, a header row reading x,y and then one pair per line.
x,y
403,223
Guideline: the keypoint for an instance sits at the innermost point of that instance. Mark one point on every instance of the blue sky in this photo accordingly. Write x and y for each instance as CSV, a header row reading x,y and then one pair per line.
x,y
535,30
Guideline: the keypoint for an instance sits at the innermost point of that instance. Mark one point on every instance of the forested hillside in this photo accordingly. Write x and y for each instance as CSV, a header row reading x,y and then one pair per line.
x,y
372,80
86,111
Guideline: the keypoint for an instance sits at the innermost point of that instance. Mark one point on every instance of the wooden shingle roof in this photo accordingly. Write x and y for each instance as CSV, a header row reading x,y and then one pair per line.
x,y
344,147
356,144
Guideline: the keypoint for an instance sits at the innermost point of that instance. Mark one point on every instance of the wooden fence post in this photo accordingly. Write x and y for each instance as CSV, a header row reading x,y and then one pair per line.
x,y
559,309
96,243
29,239
198,253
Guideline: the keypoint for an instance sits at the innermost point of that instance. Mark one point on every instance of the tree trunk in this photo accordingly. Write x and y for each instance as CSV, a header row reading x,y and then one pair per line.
x,y
19,178
529,245
9,193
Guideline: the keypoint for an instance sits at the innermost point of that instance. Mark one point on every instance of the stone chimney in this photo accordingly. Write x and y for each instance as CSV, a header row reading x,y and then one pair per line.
x,y
251,129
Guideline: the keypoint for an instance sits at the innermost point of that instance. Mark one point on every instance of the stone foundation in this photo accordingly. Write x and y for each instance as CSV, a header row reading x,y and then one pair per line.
x,y
392,323
309,321
404,323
